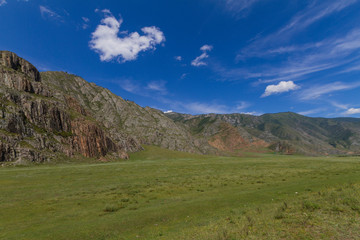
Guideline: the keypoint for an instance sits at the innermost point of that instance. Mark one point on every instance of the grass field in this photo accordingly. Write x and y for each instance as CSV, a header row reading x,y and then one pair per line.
x,y
160,194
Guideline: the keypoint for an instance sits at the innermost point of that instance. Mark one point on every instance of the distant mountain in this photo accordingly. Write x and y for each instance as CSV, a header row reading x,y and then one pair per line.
x,y
283,132
52,116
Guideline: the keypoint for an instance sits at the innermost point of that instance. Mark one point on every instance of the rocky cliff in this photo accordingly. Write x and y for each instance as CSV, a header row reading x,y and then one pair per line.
x,y
39,123
145,125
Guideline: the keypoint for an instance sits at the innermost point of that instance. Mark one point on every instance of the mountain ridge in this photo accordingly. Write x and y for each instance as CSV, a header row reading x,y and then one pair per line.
x,y
46,116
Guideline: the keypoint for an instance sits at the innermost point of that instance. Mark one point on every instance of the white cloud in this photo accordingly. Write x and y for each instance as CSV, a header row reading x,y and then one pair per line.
x,y
47,13
2,2
352,111
85,19
199,61
252,113
178,58
206,48
106,41
315,92
168,111
280,88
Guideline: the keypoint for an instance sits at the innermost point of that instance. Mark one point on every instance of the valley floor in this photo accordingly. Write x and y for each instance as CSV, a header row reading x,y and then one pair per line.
x,y
160,194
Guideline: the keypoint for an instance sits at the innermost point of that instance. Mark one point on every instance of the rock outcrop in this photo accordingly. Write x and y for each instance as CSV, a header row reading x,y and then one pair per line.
x,y
38,123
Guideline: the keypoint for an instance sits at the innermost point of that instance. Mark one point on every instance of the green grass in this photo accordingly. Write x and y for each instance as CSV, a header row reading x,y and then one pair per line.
x,y
161,194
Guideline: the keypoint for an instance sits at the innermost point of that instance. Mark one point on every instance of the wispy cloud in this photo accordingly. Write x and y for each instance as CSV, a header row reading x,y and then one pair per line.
x,y
129,86
49,14
242,105
199,61
2,2
297,61
316,11
106,41
239,8
150,89
157,86
355,68
183,76
317,91
310,58
339,105
196,107
312,111
178,58
85,23
202,108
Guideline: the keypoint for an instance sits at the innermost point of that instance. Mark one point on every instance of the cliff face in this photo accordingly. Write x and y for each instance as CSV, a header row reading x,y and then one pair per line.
x,y
145,125
37,123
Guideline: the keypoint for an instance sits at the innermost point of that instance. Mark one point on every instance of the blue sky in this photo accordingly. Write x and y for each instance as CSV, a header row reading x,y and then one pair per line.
x,y
199,56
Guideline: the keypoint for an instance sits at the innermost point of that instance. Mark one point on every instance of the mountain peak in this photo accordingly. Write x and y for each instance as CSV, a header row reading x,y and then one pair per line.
x,y
11,60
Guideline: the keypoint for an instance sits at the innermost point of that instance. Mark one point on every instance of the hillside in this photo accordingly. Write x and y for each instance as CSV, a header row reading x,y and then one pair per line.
x,y
283,132
146,125
52,116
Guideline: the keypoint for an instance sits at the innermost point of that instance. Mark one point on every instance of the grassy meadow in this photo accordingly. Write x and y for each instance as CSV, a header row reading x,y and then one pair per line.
x,y
160,194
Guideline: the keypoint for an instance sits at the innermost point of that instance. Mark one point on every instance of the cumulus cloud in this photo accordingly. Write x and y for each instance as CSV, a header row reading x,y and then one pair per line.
x,y
352,111
107,42
283,86
199,61
2,2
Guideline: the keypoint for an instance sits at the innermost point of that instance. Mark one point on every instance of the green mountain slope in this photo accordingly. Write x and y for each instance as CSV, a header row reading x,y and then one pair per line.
x,y
284,132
